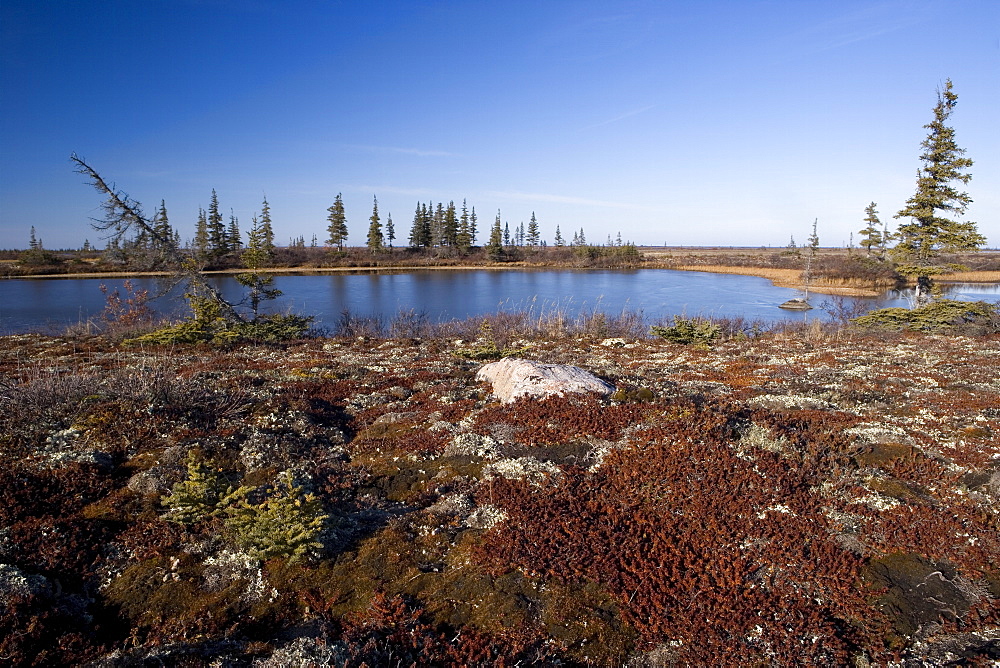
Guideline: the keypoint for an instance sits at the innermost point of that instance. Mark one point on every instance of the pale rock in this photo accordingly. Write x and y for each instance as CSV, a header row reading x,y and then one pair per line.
x,y
513,378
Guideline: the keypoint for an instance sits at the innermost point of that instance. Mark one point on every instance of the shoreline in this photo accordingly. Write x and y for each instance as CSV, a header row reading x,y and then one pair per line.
x,y
782,278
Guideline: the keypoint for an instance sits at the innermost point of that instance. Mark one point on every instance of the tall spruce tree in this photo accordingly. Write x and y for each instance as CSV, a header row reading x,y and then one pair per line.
x,y
872,233
473,220
463,239
337,228
390,230
534,238
495,245
266,229
437,225
161,223
218,244
416,231
930,233
201,246
375,239
259,286
233,234
450,226
559,241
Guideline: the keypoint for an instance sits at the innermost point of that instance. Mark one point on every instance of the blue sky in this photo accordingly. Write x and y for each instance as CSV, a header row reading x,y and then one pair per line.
x,y
687,122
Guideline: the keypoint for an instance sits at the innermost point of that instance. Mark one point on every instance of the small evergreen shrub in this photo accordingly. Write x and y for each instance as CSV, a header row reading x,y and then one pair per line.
x,y
488,349
688,331
206,325
273,328
284,525
945,315
205,494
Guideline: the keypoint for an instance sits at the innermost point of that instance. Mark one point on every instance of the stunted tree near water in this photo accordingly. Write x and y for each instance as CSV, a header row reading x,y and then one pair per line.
x,y
123,218
931,232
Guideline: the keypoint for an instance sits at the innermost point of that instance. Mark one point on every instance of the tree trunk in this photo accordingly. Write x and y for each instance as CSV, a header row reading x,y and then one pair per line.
x,y
922,294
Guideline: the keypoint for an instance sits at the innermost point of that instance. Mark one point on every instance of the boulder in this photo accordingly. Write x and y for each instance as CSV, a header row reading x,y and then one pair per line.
x,y
513,378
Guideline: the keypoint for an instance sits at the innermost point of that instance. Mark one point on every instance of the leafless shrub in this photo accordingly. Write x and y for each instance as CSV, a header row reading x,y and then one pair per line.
x,y
352,326
843,310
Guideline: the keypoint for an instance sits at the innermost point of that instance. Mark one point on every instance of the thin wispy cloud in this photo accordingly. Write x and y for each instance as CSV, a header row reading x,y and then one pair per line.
x,y
861,25
559,199
423,153
621,117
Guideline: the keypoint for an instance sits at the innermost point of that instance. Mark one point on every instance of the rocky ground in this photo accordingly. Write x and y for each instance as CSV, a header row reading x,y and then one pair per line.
x,y
813,497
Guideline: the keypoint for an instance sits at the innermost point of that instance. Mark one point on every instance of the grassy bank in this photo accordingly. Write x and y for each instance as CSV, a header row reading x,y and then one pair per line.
x,y
810,495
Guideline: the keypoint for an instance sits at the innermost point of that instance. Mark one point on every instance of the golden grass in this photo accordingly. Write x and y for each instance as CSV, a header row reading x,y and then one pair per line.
x,y
780,277
972,277
792,278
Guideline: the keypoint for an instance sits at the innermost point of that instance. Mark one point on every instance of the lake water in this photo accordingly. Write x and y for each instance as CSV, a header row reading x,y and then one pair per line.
x,y
52,304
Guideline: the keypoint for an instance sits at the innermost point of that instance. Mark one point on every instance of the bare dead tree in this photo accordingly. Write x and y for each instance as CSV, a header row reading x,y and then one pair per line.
x,y
123,215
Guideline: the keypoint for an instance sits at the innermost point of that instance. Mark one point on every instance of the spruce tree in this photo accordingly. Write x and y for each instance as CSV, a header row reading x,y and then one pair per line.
x,y
33,240
416,228
375,238
930,233
161,224
559,241
266,229
201,245
218,244
337,228
473,220
506,234
450,226
437,225
256,256
390,230
871,233
233,239
534,238
495,245
464,239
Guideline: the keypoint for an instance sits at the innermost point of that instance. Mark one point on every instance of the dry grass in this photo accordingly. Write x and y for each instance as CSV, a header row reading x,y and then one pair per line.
x,y
972,277
792,278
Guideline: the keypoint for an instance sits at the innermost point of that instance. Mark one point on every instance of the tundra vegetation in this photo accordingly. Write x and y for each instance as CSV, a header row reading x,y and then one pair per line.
x,y
819,494
225,491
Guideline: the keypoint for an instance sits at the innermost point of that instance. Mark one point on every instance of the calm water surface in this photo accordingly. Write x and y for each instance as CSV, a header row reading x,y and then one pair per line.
x,y
53,304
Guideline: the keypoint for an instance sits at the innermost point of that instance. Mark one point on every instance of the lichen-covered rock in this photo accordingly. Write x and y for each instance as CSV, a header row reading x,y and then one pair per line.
x,y
513,378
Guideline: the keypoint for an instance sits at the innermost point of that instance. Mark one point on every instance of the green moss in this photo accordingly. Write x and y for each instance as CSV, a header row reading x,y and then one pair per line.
x,y
917,592
880,454
900,490
638,395
588,621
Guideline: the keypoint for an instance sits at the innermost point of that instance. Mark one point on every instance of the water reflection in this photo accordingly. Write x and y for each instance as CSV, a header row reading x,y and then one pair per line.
x,y
448,294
